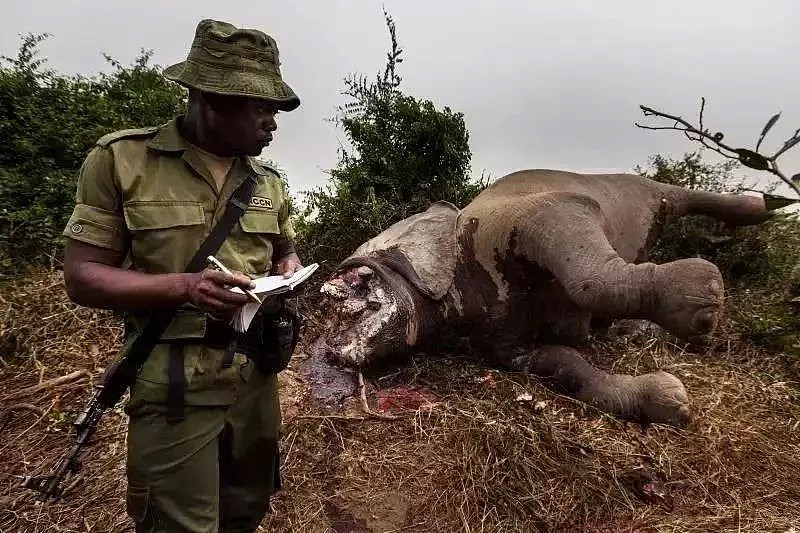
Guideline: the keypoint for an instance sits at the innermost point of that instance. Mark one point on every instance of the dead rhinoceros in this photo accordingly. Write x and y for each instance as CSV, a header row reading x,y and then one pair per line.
x,y
524,268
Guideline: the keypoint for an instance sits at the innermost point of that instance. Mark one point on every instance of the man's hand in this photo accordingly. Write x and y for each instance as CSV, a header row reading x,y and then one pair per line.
x,y
288,265
210,290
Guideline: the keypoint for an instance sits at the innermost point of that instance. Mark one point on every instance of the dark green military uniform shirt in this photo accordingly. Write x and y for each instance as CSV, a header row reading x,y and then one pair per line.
x,y
147,194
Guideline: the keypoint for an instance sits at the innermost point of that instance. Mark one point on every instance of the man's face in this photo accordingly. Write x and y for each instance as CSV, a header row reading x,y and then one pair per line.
x,y
240,125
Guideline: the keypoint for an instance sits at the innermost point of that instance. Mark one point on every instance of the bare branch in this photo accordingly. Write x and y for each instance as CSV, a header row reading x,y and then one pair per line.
x,y
49,384
683,125
793,140
775,170
749,158
645,127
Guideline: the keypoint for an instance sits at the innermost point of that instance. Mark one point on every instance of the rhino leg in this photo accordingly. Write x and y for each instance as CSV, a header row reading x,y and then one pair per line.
x,y
564,234
732,209
658,397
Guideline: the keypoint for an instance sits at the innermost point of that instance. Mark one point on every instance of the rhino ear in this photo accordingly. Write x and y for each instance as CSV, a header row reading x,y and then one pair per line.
x,y
427,240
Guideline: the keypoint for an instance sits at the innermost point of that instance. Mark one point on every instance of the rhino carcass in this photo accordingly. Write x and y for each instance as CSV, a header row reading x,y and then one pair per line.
x,y
523,270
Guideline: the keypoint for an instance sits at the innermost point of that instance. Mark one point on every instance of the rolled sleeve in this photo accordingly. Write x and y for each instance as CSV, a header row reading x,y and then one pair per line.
x,y
97,218
287,229
285,219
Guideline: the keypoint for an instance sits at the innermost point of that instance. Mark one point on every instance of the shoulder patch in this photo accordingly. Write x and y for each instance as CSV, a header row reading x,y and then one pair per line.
x,y
109,138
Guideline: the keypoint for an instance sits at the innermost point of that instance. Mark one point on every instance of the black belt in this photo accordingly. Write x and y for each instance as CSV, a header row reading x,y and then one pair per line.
x,y
220,335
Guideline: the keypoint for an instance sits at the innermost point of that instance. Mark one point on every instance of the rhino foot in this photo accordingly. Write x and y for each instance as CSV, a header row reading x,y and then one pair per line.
x,y
658,397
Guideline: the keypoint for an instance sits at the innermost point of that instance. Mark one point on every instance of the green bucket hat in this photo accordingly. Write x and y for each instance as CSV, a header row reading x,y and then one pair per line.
x,y
239,62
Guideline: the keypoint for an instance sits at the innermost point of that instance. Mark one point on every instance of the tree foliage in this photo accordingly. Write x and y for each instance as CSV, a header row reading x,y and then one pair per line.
x,y
48,122
403,154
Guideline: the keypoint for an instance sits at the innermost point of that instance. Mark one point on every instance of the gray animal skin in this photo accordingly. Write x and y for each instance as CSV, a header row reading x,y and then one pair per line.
x,y
525,269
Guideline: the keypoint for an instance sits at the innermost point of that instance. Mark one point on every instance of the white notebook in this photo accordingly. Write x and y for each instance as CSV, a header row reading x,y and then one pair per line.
x,y
265,287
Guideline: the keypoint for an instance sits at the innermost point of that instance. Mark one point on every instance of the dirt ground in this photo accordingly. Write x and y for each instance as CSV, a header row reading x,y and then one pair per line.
x,y
466,448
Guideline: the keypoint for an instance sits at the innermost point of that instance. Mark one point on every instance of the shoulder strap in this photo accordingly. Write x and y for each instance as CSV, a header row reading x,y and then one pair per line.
x,y
264,168
109,138
143,344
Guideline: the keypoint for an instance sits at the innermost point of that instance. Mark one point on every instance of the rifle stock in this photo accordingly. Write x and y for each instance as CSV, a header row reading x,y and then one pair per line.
x,y
108,393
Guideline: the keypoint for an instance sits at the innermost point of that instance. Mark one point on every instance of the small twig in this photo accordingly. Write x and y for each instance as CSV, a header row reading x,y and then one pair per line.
x,y
702,110
24,407
793,140
44,414
405,527
7,412
50,383
334,417
464,520
72,485
365,405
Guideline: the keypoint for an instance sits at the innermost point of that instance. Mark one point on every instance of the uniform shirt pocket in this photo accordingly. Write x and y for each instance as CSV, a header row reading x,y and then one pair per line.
x,y
254,221
253,242
164,234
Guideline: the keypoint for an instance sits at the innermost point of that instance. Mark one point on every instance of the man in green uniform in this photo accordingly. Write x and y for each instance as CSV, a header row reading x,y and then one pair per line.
x,y
146,199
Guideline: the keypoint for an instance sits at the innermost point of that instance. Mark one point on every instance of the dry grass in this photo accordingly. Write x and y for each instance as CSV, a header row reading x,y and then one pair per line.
x,y
476,460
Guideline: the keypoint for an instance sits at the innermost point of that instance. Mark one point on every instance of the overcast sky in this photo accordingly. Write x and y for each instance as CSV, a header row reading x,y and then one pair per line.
x,y
542,84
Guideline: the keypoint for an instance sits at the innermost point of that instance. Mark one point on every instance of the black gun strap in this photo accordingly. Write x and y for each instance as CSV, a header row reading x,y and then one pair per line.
x,y
143,344
237,205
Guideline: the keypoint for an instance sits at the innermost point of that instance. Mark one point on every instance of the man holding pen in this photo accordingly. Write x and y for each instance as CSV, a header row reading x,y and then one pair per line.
x,y
146,200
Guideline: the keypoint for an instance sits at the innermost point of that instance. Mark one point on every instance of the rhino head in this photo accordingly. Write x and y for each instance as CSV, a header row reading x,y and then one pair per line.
x,y
384,298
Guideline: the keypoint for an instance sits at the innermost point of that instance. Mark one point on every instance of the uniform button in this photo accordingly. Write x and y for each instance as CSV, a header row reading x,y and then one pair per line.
x,y
77,228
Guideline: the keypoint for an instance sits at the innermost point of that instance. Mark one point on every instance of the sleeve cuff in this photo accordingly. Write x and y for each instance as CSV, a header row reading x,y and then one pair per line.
x,y
97,227
287,230
282,247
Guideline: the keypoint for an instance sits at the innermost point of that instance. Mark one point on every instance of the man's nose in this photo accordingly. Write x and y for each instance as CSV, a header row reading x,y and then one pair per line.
x,y
269,123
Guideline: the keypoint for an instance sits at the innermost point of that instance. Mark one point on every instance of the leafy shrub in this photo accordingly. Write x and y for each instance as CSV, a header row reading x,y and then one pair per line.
x,y
404,155
742,254
48,123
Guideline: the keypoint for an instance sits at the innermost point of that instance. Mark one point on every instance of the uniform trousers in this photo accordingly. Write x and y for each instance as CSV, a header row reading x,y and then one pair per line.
x,y
213,471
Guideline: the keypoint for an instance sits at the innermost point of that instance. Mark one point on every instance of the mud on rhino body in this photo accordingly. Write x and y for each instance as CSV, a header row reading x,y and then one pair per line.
x,y
524,270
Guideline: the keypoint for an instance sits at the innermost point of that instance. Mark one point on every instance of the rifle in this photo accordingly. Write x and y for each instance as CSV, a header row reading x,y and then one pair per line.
x,y
120,375
114,383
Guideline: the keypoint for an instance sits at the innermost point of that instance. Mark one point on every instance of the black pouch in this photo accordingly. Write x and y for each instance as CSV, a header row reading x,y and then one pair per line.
x,y
279,334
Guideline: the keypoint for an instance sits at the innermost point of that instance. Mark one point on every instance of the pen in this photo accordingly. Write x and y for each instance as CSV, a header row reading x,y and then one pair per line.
x,y
214,261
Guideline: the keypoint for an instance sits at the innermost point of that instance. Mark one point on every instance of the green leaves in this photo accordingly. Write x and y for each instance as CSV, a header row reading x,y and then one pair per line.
x,y
752,159
48,123
771,122
403,155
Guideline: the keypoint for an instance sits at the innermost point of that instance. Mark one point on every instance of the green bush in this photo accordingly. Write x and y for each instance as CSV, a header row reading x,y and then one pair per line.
x,y
48,123
404,155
